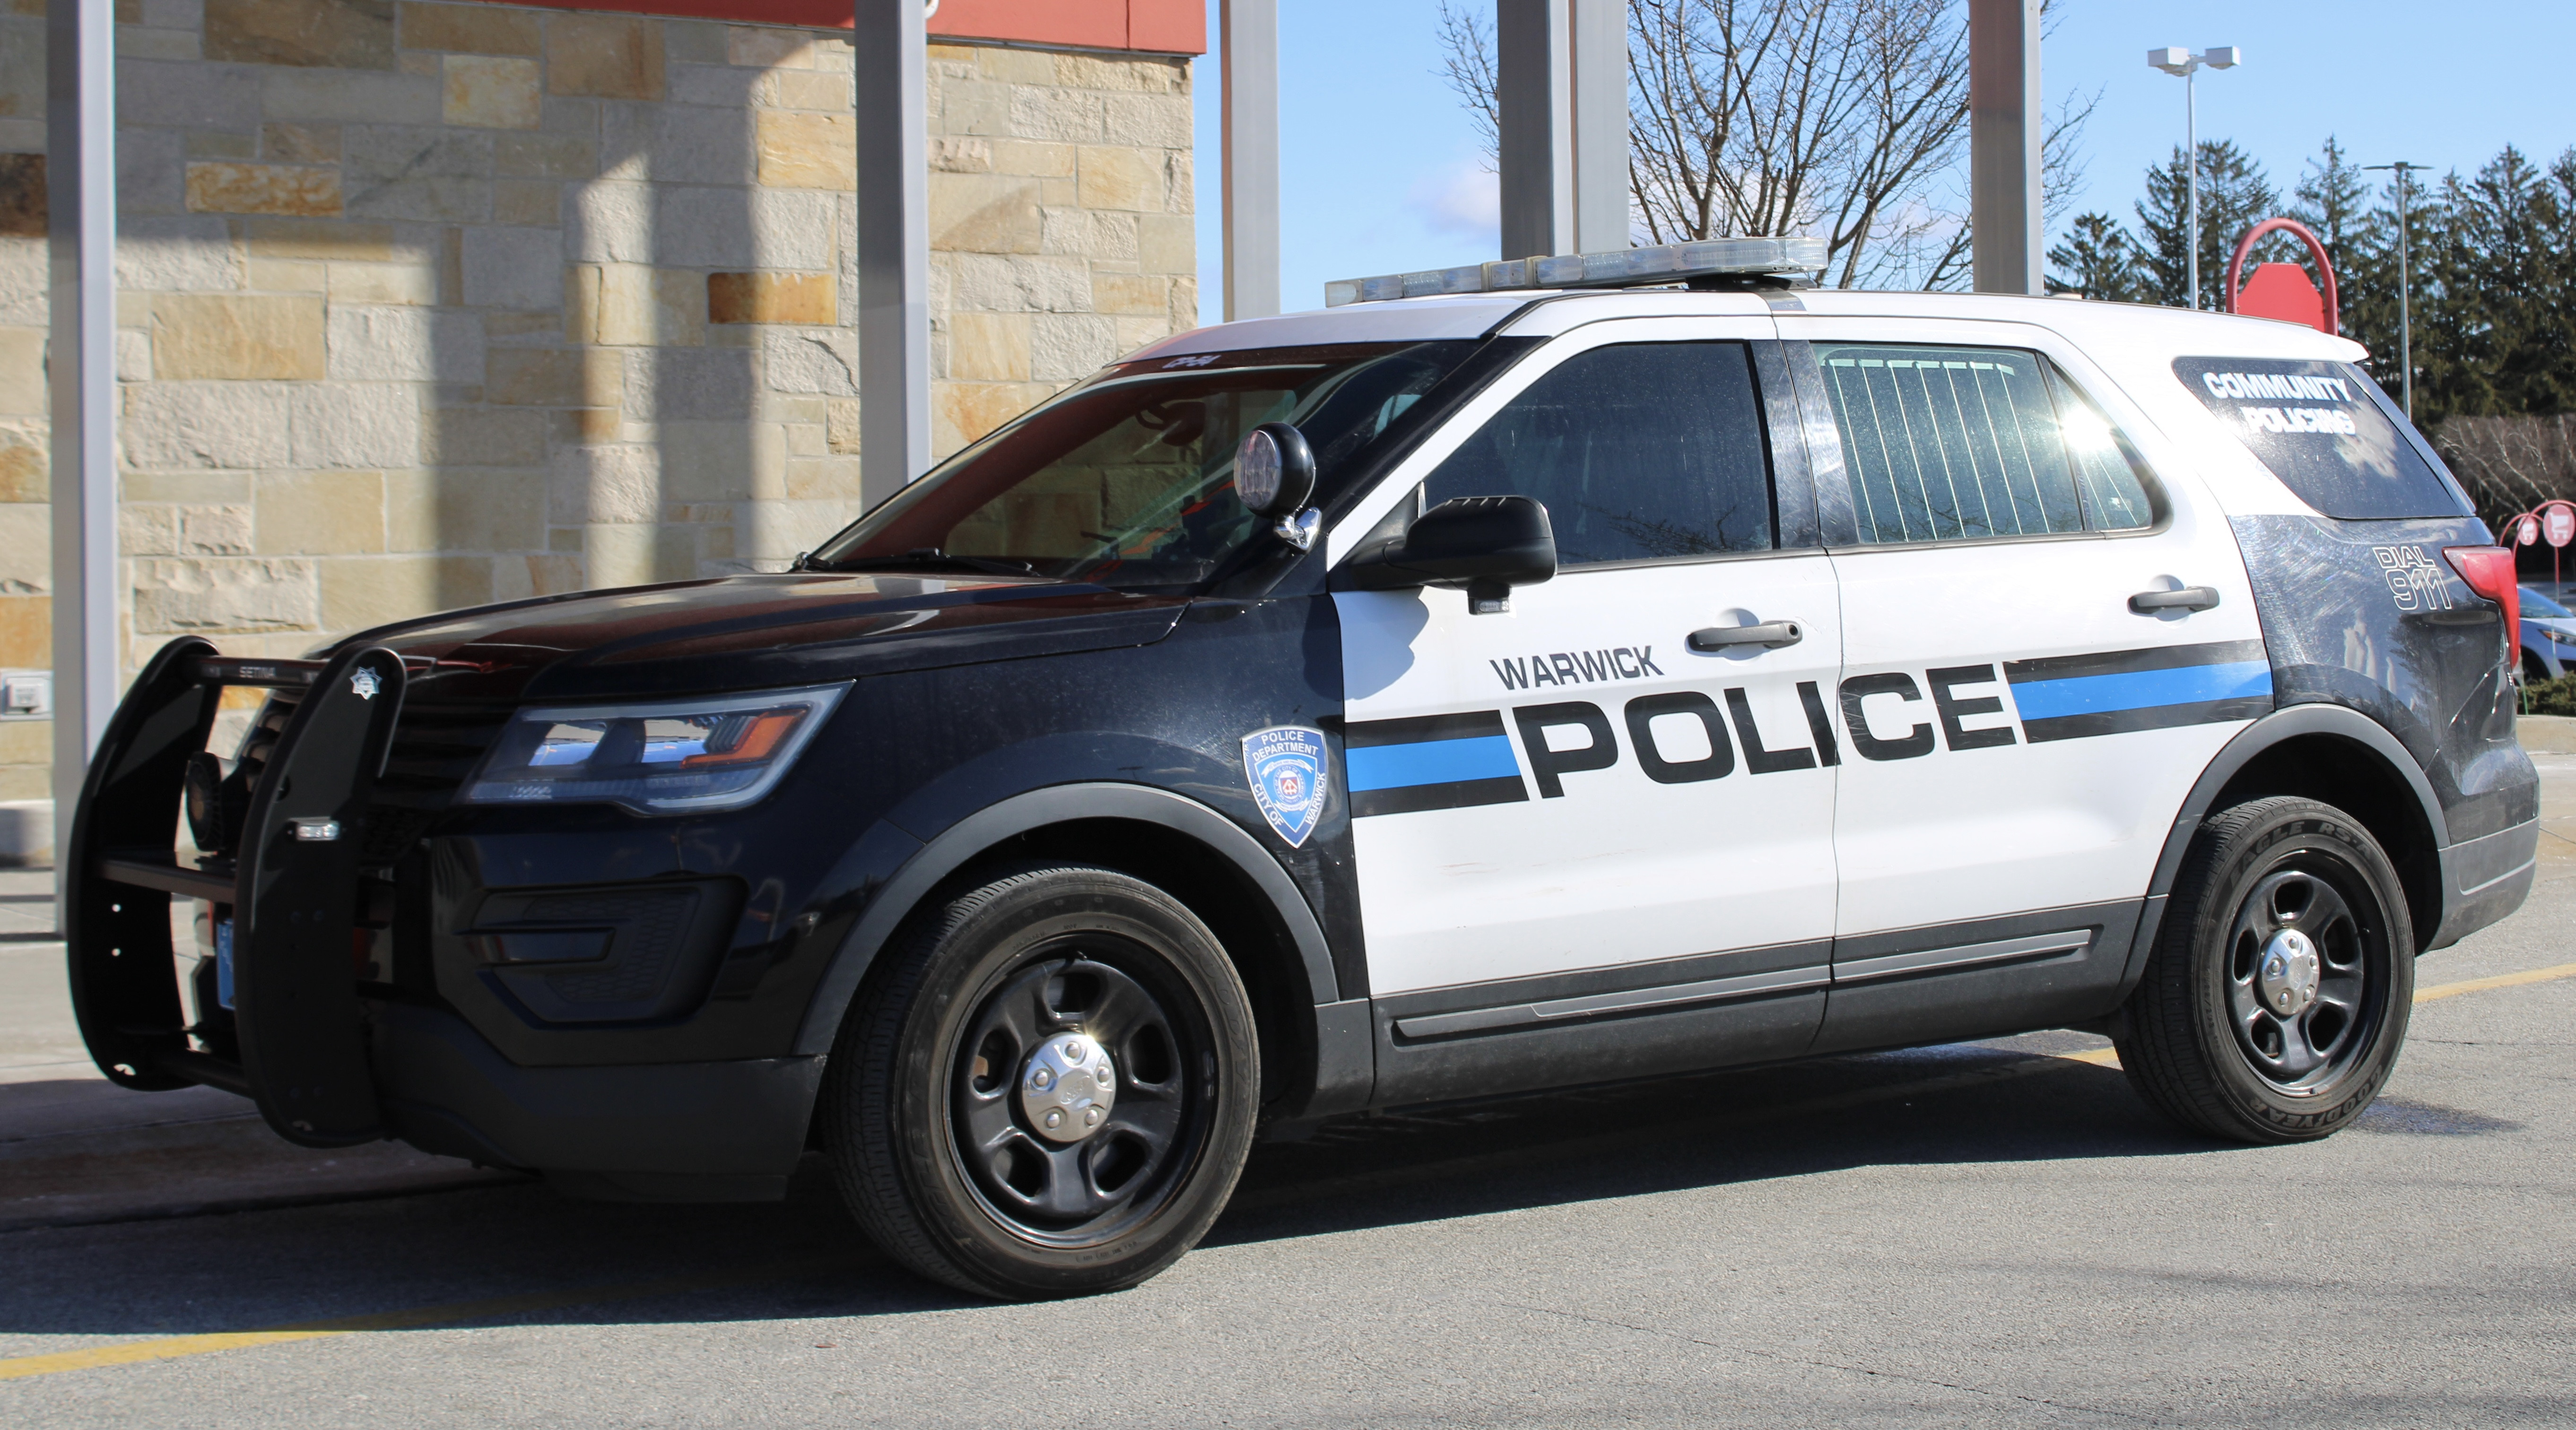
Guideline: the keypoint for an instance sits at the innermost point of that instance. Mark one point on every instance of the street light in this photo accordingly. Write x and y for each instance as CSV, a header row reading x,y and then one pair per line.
x,y
2188,63
2405,320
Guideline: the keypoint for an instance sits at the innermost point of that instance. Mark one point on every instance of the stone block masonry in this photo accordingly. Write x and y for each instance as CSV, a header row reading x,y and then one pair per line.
x,y
425,304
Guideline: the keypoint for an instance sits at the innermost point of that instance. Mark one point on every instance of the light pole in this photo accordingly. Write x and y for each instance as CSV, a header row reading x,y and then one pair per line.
x,y
2405,320
2188,64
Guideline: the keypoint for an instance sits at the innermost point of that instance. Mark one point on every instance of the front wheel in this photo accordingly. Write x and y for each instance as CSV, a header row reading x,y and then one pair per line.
x,y
2276,996
1048,1091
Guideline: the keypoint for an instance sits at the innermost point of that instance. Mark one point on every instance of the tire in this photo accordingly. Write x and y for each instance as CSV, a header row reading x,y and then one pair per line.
x,y
933,1107
2208,1041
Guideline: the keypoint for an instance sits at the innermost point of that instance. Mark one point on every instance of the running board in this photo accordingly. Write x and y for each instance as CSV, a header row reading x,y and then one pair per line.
x,y
1966,955
1477,1020
2028,948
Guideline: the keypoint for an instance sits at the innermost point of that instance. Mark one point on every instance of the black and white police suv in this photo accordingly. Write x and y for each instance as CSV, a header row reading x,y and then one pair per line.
x,y
1430,698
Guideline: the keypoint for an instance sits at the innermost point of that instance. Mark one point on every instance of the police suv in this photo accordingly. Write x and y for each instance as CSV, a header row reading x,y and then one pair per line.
x,y
1518,677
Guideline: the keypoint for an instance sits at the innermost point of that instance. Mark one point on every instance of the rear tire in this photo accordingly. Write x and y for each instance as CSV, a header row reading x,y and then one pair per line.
x,y
1046,1089
2275,999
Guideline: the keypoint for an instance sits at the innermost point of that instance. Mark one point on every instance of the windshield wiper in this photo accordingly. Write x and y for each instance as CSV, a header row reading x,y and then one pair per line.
x,y
932,556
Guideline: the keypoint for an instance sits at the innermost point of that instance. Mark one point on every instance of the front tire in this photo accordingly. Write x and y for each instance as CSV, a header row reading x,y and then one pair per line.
x,y
2275,999
1048,1089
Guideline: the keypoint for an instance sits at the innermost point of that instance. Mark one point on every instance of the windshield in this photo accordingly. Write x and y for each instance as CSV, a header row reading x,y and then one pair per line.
x,y
1128,480
2536,604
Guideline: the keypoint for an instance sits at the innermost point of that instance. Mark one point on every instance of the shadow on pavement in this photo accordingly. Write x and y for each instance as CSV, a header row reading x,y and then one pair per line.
x,y
630,1264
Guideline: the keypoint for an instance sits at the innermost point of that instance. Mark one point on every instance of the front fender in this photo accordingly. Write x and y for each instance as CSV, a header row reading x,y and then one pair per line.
x,y
1017,814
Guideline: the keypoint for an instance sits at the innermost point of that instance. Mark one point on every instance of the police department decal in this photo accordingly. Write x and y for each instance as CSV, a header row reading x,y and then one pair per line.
x,y
1285,767
362,683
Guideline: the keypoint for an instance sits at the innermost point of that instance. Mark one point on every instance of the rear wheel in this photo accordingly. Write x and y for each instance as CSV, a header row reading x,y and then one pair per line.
x,y
1048,1091
2275,999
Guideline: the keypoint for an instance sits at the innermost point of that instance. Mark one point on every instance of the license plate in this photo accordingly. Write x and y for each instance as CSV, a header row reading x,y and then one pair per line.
x,y
224,962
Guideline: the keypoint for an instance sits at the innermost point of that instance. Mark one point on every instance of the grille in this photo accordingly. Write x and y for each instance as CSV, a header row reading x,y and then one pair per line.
x,y
434,749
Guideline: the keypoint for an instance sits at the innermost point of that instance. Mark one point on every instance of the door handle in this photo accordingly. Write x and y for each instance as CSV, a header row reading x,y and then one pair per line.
x,y
1771,634
2189,598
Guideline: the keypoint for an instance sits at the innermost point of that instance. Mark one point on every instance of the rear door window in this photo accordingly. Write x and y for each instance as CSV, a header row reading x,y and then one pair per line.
x,y
2328,432
1971,444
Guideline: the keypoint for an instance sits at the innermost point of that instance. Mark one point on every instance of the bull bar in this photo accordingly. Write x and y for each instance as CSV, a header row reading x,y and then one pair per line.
x,y
290,883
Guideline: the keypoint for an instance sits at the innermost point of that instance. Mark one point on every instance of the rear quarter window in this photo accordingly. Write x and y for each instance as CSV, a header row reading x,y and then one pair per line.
x,y
2329,434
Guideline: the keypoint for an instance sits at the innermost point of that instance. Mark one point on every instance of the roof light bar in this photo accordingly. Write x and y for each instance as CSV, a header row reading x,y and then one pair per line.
x,y
1622,268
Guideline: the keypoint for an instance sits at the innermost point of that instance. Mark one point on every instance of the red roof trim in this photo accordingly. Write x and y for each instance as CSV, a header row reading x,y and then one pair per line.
x,y
1168,27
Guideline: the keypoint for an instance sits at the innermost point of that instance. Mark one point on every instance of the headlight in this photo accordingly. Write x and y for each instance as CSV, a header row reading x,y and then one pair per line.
x,y
670,757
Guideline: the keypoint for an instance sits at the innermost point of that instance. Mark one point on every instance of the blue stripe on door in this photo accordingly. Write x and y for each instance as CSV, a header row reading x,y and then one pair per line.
x,y
2142,689
1431,762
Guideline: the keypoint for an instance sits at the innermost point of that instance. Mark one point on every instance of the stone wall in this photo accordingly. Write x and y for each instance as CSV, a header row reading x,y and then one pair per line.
x,y
431,304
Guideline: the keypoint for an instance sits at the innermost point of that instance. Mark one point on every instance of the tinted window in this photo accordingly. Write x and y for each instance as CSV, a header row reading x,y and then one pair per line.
x,y
2326,430
1640,452
1128,480
2108,472
1949,444
2536,604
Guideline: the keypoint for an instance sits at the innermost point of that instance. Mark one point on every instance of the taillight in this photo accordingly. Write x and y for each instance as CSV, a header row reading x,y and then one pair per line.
x,y
2489,572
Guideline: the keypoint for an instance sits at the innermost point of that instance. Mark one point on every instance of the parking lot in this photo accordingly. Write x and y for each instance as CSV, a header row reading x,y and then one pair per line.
x,y
1990,1233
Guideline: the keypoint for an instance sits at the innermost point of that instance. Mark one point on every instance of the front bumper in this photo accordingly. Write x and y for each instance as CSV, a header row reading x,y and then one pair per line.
x,y
701,1132
338,1039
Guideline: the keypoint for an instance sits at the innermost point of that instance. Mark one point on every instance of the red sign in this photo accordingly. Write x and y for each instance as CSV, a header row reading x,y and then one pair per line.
x,y
2559,523
2283,291
2526,532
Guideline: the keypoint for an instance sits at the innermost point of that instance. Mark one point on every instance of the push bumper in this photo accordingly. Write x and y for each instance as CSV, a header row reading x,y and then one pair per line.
x,y
293,1041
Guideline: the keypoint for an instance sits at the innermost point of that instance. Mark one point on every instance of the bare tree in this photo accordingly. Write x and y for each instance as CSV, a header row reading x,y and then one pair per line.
x,y
2510,464
1842,118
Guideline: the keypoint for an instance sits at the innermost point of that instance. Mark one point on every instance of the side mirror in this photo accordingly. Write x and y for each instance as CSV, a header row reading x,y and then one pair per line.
x,y
1486,544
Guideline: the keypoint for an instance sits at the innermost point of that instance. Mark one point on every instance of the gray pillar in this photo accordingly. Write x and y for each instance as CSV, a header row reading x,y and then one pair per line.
x,y
1534,83
80,179
1561,68
1248,38
894,245
1600,31
2007,125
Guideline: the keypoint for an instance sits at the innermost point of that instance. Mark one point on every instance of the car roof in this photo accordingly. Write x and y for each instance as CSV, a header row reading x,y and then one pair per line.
x,y
2091,325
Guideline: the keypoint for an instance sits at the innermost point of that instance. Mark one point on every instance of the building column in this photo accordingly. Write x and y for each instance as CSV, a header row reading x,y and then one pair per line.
x,y
80,181
1248,38
2006,131
894,244
1561,72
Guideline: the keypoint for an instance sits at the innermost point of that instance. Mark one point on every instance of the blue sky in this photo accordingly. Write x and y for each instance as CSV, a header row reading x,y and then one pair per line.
x,y
1380,168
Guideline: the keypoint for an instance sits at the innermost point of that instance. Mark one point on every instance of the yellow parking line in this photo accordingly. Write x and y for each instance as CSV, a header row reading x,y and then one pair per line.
x,y
175,1347
2501,980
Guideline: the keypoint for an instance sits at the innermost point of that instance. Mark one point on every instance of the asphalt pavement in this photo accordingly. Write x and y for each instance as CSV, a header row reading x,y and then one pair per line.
x,y
1982,1234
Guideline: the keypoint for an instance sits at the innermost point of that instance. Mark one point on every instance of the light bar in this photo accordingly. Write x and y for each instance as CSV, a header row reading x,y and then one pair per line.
x,y
1622,268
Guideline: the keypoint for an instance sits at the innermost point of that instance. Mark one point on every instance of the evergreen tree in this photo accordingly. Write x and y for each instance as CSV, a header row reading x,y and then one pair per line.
x,y
2097,260
2499,272
2333,200
2234,195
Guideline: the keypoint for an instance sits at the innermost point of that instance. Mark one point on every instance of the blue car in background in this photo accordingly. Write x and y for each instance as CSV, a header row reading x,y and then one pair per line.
x,y
2548,633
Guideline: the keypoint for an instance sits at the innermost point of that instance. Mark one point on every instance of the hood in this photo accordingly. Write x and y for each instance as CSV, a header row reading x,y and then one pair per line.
x,y
747,632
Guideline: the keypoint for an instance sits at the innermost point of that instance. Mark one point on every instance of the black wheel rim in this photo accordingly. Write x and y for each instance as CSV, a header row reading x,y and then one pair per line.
x,y
2309,1046
1128,1001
